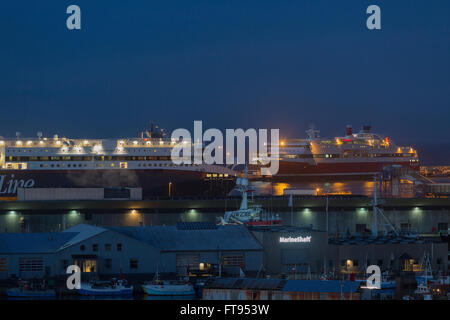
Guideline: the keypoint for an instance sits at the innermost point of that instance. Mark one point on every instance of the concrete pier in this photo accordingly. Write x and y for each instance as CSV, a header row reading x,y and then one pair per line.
x,y
345,215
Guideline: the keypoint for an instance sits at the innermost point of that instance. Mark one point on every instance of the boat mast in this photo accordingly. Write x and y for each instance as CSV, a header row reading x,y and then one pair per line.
x,y
375,211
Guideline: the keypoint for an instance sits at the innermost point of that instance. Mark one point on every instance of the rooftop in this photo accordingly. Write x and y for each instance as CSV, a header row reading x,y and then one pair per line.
x,y
329,286
46,242
171,238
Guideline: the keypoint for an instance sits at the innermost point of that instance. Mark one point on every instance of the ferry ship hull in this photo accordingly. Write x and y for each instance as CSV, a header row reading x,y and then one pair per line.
x,y
154,183
338,169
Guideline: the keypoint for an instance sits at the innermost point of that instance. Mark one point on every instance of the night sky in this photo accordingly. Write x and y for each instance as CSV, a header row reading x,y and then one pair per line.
x,y
270,64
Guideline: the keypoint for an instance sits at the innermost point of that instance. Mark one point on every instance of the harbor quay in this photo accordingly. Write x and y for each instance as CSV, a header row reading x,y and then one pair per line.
x,y
345,215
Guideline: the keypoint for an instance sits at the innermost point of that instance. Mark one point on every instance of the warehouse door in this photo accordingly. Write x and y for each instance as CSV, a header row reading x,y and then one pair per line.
x,y
186,262
294,260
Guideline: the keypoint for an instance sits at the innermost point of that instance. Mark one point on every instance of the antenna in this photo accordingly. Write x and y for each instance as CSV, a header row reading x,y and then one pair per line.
x,y
377,210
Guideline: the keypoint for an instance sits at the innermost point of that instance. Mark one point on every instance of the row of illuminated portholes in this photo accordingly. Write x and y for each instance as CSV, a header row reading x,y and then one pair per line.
x,y
112,165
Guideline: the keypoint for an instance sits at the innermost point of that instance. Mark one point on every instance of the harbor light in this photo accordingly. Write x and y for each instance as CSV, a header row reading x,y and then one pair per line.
x,y
192,214
19,143
306,213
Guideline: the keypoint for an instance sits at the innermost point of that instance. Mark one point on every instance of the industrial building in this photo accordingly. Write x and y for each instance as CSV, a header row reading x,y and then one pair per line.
x,y
140,251
133,251
292,249
353,255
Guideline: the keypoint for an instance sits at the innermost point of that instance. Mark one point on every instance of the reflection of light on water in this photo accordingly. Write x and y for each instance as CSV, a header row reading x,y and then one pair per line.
x,y
338,187
368,188
354,187
278,188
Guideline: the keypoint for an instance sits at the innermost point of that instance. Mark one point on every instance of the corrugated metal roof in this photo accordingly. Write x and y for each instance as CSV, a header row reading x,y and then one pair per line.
x,y
330,286
169,238
195,225
45,242
83,232
246,283
335,286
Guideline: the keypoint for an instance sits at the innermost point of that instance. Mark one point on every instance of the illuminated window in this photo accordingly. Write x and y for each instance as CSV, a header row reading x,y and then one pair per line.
x,y
123,165
87,265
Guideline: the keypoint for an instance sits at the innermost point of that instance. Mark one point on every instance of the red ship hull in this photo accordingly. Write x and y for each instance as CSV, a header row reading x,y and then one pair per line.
x,y
291,168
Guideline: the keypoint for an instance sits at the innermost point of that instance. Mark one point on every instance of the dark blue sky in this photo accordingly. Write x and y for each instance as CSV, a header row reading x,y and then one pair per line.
x,y
286,64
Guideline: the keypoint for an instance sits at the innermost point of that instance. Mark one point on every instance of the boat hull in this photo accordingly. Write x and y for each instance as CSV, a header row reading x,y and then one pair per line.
x,y
297,168
168,290
154,182
30,294
119,291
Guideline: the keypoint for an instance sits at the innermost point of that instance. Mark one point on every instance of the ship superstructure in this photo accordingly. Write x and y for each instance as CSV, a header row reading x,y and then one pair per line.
x,y
137,162
362,153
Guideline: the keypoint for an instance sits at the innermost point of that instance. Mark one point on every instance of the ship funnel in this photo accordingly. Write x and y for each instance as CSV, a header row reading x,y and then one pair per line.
x,y
366,128
349,130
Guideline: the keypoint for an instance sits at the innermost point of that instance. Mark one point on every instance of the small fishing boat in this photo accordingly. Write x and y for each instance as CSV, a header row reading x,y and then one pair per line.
x,y
106,288
28,293
27,290
168,288
424,290
158,287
